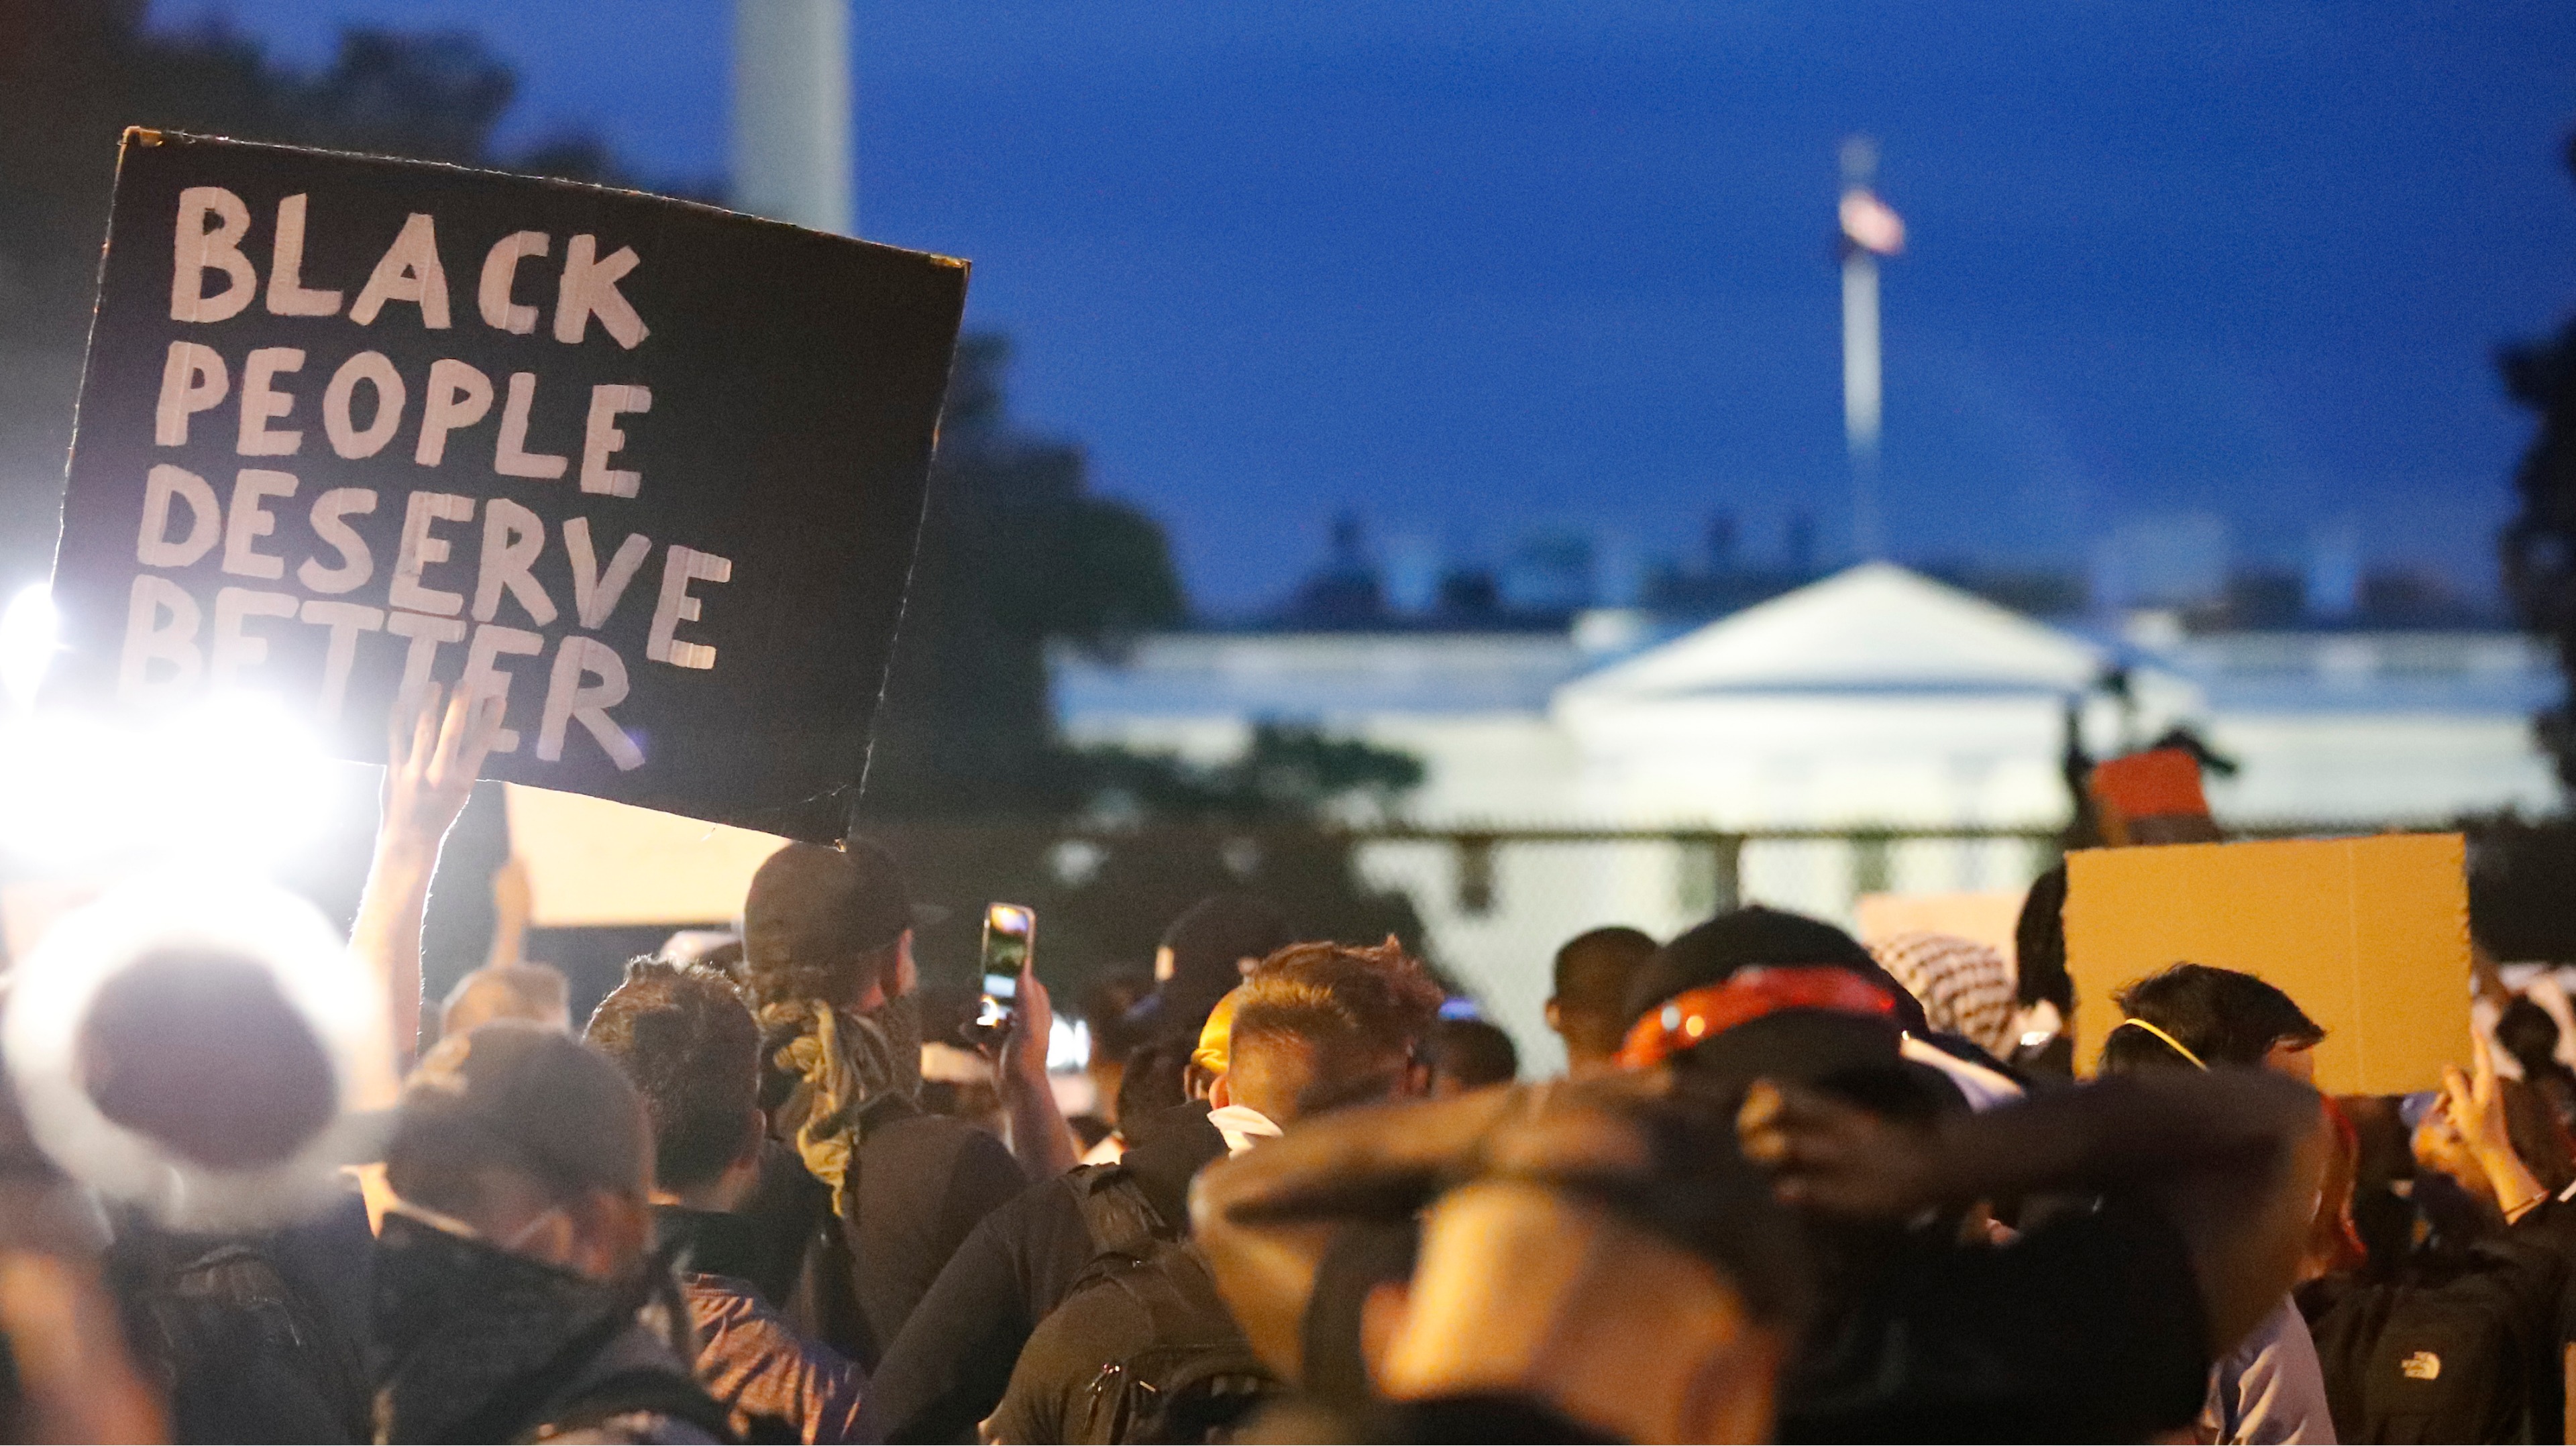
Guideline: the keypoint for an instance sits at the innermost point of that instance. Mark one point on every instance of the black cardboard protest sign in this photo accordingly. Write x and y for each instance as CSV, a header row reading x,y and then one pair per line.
x,y
651,470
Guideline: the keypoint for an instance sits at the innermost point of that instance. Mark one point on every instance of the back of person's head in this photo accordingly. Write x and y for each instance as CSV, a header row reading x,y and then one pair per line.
x,y
820,923
532,992
1759,937
2039,944
1205,953
683,1037
1470,1054
1104,1010
1321,1026
507,1114
1759,993
1153,1080
2529,1035
2192,1016
1593,973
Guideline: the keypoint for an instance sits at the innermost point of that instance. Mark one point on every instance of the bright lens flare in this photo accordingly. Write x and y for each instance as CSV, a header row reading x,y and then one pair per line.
x,y
28,639
235,780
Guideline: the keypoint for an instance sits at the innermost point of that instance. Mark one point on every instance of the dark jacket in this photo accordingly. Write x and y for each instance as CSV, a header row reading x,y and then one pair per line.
x,y
924,1181
473,1343
952,1362
253,1337
776,1382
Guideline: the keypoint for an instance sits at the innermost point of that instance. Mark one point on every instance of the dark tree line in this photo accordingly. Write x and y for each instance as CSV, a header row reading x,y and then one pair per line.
x,y
2539,545
75,73
971,780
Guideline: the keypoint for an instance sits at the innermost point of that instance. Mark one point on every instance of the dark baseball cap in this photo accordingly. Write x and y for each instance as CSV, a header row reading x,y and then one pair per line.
x,y
1209,942
1858,1057
518,1094
812,906
1751,936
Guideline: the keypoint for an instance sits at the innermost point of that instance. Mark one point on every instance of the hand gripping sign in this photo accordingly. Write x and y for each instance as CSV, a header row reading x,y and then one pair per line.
x,y
647,471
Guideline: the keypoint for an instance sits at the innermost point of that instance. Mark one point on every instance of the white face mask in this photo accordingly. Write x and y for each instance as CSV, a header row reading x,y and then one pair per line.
x,y
520,1236
455,1226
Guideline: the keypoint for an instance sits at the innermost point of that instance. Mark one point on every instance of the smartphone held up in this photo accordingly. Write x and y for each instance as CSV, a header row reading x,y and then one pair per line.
x,y
1008,932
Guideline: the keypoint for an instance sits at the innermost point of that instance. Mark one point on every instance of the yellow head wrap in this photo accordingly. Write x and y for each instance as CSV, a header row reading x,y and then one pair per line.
x,y
1217,1034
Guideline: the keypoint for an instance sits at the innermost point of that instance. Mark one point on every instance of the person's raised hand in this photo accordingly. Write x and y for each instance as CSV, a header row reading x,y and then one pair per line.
x,y
431,762
1024,1047
2475,1101
1835,1157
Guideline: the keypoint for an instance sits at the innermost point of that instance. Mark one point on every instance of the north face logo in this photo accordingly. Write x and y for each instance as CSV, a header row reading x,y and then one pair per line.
x,y
2421,1366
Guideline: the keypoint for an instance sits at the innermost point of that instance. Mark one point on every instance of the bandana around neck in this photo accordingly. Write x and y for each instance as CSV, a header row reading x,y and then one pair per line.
x,y
842,1062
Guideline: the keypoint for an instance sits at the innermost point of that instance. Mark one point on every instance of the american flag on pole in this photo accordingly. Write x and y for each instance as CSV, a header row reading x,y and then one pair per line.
x,y
1870,224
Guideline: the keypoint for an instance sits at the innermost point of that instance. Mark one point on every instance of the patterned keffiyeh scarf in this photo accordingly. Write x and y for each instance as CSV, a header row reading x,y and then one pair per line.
x,y
841,1061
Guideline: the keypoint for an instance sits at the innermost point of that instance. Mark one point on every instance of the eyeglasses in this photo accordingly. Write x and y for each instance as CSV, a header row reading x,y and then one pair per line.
x,y
1693,1016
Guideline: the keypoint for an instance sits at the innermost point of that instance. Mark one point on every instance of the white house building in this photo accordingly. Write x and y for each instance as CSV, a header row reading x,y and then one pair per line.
x,y
1873,707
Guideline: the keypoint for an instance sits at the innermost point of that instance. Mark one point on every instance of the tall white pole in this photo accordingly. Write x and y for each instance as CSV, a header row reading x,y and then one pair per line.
x,y
1861,395
791,112
1868,230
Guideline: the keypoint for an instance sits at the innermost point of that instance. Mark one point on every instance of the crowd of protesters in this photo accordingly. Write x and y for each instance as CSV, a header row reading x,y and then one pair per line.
x,y
1788,1188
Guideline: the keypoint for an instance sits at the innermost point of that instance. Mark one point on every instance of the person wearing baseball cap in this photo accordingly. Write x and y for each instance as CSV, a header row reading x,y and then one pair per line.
x,y
1204,954
2092,1325
515,1294
874,1191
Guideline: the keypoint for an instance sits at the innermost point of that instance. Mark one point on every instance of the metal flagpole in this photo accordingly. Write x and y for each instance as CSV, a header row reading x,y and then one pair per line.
x,y
1869,230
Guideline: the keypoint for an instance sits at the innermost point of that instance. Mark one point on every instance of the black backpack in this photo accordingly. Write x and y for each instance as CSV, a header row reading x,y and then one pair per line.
x,y
243,1355
1199,1379
2452,1347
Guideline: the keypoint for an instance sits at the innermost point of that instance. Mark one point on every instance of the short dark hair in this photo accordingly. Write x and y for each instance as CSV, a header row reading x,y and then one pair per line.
x,y
2223,1016
1474,1053
1154,1080
2039,944
683,1036
536,993
2530,1035
1593,972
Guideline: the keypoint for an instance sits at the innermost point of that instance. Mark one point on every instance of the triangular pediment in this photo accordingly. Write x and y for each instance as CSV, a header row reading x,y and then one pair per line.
x,y
1873,628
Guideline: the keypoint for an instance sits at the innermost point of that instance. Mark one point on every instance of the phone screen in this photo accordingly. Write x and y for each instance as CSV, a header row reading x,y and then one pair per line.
x,y
1007,931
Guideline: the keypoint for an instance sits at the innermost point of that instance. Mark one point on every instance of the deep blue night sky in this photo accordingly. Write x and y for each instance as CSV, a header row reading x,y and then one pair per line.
x,y
1476,268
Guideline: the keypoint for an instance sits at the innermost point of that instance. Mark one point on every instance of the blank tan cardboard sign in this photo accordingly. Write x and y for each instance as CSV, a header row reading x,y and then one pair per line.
x,y
591,861
2369,935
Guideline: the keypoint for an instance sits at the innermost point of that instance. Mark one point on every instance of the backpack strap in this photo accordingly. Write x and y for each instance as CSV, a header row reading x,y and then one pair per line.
x,y
1118,1213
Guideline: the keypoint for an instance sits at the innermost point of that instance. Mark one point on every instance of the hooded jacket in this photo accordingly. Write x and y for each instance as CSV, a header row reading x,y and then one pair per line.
x,y
473,1343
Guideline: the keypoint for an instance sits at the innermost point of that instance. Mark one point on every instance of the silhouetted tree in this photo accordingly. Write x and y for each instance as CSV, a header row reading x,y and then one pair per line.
x,y
2539,545
970,781
75,73
1016,554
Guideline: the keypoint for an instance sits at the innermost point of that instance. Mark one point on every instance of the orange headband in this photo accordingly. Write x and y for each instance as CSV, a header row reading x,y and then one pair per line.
x,y
1700,1014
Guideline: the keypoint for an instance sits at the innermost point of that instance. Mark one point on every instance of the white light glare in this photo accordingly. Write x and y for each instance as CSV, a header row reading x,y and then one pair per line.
x,y
235,779
28,638
1068,1044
